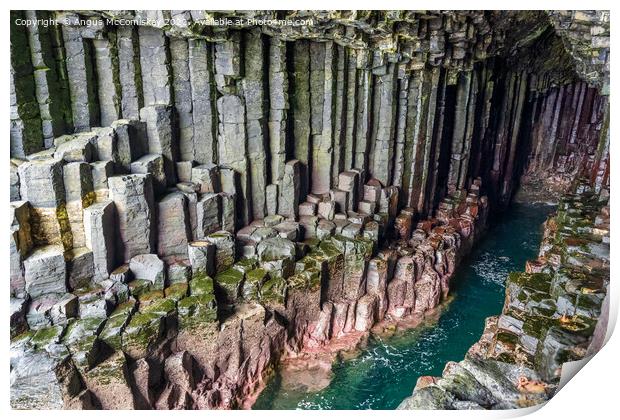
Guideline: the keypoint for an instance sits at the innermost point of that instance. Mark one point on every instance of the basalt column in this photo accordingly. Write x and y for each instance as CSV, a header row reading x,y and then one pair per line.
x,y
191,202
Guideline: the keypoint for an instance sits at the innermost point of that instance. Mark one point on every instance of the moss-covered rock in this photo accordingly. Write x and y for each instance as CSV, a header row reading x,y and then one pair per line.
x,y
196,311
201,284
254,279
138,287
229,284
46,336
176,291
273,291
144,331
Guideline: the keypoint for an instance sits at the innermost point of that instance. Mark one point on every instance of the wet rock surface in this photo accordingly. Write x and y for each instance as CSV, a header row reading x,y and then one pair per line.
x,y
549,318
188,206
292,296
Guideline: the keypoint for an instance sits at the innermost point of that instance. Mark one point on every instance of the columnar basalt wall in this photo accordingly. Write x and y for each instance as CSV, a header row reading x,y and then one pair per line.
x,y
554,313
191,201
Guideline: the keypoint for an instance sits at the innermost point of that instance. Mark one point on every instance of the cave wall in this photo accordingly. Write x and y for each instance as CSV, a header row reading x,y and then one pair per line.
x,y
288,163
417,114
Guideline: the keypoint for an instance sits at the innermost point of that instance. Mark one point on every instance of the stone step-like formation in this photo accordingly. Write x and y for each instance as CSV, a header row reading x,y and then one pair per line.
x,y
327,288
554,313
416,113
173,186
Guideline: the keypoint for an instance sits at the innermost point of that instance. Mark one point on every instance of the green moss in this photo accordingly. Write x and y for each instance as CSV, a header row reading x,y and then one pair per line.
x,y
22,339
124,308
508,338
176,291
85,352
589,305
187,305
194,311
79,328
230,283
257,276
274,290
245,264
308,262
329,249
143,330
150,296
540,282
201,284
111,371
111,334
537,326
297,281
139,286
45,336
254,279
312,242
162,306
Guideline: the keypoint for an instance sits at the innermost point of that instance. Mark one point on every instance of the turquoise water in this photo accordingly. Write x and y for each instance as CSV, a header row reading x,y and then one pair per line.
x,y
385,372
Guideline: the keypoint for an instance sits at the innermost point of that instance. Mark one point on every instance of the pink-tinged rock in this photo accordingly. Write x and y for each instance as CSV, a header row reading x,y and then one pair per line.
x,y
376,276
339,318
109,382
321,332
307,209
441,264
405,269
179,370
366,312
409,301
372,191
427,291
402,226
466,225
535,266
390,256
349,325
382,305
173,397
396,297
145,378
354,278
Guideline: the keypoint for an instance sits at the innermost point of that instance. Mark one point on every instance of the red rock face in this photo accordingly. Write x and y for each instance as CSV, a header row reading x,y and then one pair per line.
x,y
326,186
234,361
518,360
